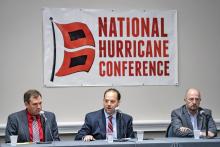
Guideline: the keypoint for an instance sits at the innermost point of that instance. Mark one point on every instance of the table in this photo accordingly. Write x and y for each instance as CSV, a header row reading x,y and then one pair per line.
x,y
157,142
191,142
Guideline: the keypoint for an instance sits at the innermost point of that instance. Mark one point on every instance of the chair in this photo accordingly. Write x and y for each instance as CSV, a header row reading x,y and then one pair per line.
x,y
169,131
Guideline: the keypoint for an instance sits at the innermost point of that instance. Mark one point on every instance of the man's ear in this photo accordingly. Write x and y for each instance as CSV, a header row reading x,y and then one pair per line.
x,y
118,103
26,104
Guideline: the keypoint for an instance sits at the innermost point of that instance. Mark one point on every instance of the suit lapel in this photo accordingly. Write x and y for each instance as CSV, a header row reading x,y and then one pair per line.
x,y
188,120
44,127
102,123
200,120
118,126
24,125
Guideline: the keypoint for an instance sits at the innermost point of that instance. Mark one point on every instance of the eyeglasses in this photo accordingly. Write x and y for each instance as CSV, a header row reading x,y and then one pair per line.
x,y
194,99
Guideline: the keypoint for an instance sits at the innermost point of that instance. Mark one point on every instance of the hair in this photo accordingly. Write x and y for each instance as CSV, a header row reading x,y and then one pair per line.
x,y
114,90
189,89
31,93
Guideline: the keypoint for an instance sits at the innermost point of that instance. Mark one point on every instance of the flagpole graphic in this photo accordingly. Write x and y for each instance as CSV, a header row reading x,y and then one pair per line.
x,y
54,51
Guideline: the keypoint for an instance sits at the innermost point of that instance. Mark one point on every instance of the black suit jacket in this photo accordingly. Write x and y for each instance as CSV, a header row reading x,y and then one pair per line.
x,y
95,125
181,118
17,124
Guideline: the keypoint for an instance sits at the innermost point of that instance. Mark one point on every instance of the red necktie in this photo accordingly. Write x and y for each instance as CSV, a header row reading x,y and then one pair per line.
x,y
110,126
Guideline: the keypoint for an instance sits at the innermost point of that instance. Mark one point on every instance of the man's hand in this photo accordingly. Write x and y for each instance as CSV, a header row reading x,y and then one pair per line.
x,y
210,134
88,138
184,129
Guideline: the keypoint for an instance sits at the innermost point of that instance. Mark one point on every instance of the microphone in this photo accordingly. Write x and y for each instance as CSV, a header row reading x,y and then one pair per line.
x,y
118,111
46,125
202,112
43,115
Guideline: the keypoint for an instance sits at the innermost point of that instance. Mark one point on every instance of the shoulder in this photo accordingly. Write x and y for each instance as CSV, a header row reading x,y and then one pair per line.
x,y
127,116
94,116
207,111
179,110
95,113
48,113
17,114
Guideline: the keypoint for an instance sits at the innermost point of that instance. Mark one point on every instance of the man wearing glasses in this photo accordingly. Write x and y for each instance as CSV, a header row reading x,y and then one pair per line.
x,y
191,117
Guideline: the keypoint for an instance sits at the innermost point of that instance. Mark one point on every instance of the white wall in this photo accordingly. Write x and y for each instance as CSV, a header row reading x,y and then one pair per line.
x,y
21,61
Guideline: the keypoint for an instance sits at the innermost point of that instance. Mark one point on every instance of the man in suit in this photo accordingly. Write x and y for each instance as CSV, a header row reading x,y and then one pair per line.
x,y
191,117
97,123
29,125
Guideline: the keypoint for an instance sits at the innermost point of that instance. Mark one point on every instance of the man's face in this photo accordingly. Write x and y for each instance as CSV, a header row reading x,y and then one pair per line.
x,y
34,106
110,102
192,100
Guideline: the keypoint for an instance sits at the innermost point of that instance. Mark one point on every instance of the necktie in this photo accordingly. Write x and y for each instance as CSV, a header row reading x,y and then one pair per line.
x,y
110,126
36,137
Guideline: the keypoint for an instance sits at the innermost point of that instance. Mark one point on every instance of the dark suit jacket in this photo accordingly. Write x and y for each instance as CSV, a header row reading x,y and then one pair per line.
x,y
95,125
17,124
181,118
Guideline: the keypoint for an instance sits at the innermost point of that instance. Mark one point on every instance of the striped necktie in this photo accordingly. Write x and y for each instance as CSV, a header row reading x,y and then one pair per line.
x,y
110,126
36,136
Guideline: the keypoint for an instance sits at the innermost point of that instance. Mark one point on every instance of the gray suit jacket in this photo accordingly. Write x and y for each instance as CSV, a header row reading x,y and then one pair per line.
x,y
17,124
95,125
181,118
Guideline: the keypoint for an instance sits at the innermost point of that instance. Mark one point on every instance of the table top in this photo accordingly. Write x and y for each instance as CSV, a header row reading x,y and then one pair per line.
x,y
156,142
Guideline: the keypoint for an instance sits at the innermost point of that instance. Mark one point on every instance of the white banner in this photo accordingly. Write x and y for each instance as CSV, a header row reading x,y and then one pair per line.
x,y
91,47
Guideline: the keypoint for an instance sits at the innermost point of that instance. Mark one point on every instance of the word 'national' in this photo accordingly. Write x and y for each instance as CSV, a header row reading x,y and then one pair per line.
x,y
131,27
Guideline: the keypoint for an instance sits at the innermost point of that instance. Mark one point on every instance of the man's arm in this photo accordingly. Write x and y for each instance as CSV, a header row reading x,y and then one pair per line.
x,y
85,130
54,129
11,129
212,131
178,129
130,132
212,125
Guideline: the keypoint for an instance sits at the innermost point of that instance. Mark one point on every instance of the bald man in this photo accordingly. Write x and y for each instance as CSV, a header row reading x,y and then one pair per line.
x,y
189,117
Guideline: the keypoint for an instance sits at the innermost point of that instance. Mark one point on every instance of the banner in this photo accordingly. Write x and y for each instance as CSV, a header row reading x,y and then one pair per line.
x,y
92,47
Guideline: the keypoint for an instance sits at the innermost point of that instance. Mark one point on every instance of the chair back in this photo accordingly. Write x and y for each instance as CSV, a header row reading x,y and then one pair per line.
x,y
169,131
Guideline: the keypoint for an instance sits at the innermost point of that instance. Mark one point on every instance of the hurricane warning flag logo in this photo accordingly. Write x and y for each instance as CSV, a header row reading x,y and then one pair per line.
x,y
75,35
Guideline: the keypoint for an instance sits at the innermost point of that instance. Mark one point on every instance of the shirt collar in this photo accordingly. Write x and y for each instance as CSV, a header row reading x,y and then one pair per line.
x,y
107,115
191,114
31,116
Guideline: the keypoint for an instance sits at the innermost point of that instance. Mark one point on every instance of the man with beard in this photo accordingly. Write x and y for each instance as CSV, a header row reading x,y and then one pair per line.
x,y
107,119
191,117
